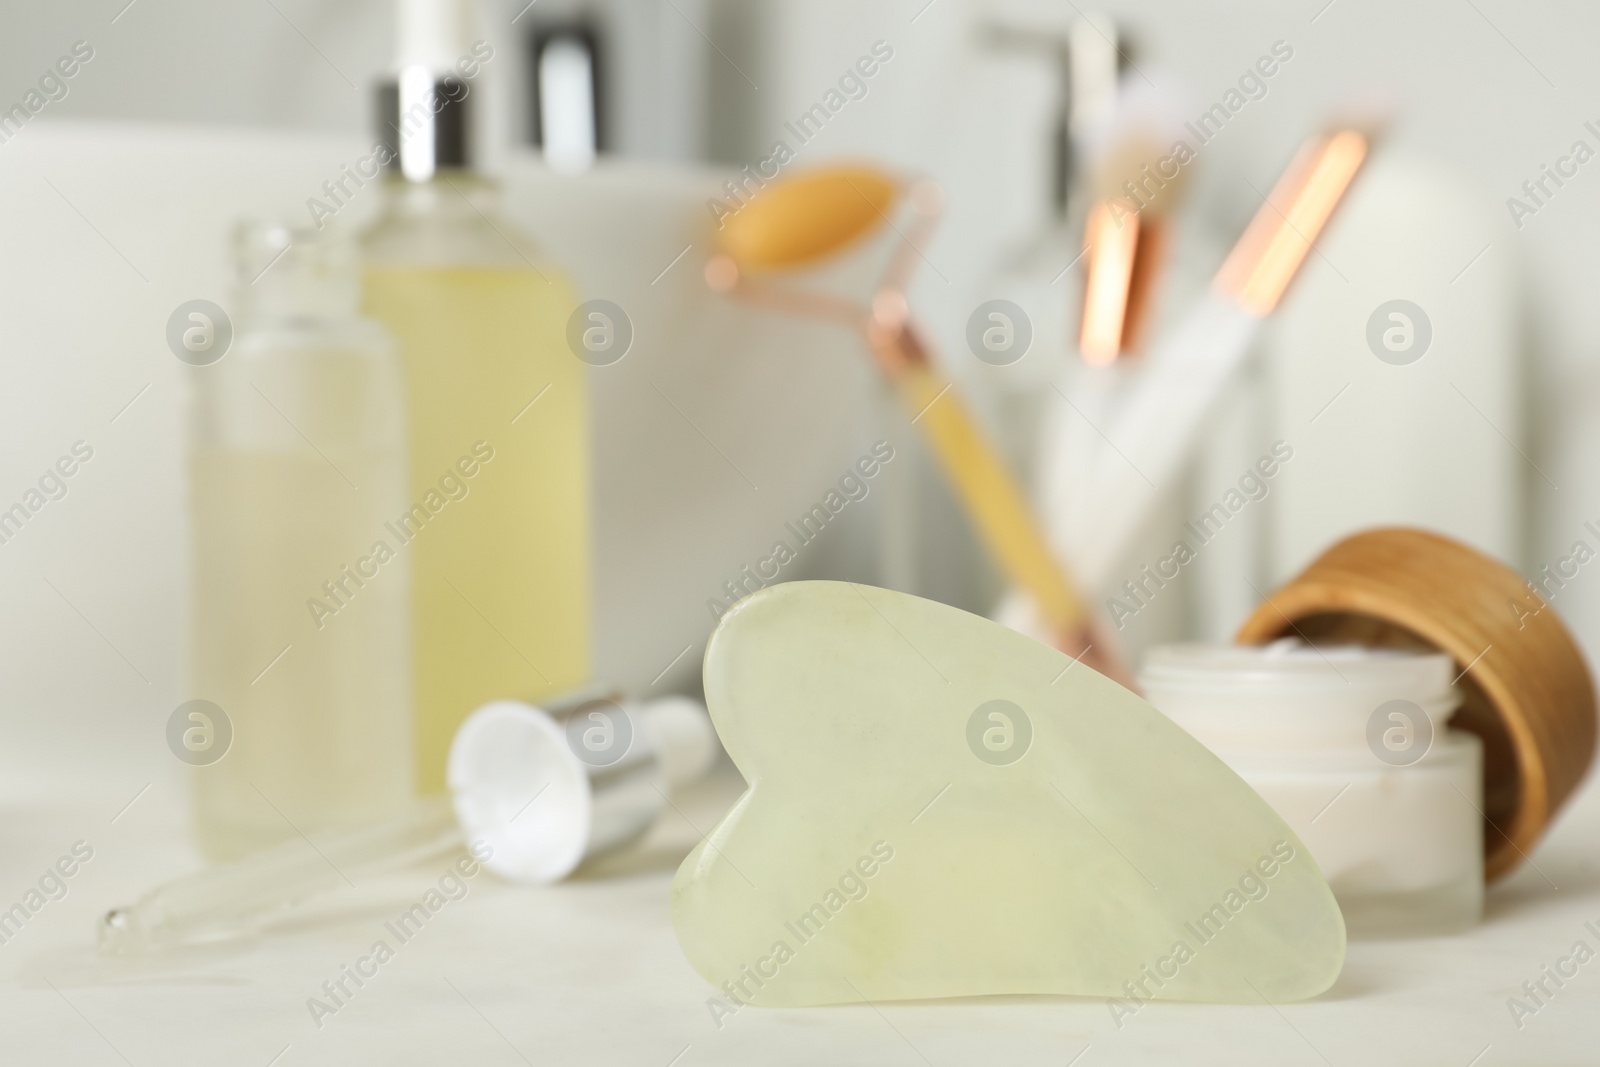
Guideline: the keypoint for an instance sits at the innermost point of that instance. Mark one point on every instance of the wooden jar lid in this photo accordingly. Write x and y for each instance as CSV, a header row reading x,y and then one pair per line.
x,y
1526,689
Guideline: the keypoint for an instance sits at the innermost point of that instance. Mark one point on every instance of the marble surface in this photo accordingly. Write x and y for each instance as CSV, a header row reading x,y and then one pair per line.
x,y
589,972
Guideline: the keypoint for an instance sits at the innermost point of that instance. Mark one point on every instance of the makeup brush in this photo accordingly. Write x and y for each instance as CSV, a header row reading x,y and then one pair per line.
x,y
1155,424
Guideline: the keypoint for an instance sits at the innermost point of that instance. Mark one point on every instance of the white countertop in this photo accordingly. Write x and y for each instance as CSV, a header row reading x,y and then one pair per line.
x,y
589,972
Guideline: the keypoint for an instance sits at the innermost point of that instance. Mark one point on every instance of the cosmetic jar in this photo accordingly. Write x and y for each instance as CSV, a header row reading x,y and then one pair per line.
x,y
1350,746
1526,692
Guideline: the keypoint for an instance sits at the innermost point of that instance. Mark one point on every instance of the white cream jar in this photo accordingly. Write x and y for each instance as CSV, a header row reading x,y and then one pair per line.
x,y
1349,746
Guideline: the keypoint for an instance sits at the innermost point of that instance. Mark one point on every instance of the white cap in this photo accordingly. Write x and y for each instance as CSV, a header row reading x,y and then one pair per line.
x,y
518,788
432,33
520,785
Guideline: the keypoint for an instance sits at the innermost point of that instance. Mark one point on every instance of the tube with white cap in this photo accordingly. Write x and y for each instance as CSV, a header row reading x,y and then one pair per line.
x,y
546,788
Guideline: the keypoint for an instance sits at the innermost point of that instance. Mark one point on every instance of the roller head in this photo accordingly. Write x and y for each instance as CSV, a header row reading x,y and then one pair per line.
x,y
800,220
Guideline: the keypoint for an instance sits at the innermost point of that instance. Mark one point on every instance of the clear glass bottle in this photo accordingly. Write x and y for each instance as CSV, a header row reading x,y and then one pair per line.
x,y
300,611
500,559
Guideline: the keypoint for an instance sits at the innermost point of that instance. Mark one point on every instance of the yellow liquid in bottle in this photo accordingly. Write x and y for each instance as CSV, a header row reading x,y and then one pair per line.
x,y
317,704
500,558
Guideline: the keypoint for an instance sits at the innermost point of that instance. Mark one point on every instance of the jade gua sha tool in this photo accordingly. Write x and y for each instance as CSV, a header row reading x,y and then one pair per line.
x,y
942,807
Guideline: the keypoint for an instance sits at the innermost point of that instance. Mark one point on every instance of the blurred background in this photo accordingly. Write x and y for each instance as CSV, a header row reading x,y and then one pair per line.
x,y
118,197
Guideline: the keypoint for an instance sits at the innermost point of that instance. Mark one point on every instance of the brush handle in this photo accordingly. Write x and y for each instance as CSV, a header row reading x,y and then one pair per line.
x,y
1152,428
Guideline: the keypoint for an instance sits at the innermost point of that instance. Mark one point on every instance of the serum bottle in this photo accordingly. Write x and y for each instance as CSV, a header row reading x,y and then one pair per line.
x,y
300,626
500,586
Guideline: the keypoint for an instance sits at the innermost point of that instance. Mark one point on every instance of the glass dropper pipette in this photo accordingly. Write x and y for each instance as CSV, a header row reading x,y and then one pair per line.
x,y
534,790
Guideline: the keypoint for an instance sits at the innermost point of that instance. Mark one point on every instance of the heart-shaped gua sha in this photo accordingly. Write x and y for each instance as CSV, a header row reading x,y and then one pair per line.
x,y
941,807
